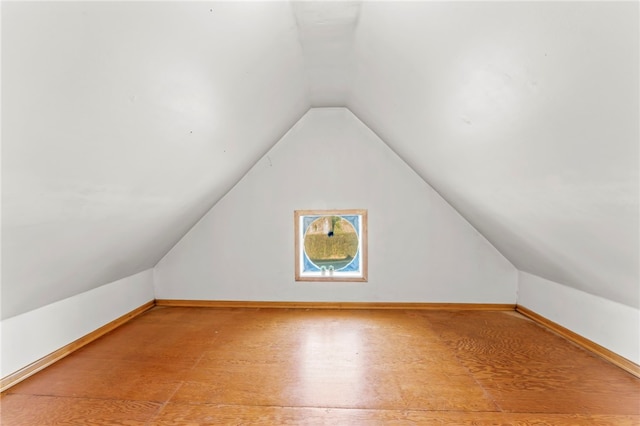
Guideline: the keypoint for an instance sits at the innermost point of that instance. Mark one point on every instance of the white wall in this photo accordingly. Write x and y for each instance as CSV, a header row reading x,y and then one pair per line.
x,y
612,325
30,336
524,116
130,118
420,249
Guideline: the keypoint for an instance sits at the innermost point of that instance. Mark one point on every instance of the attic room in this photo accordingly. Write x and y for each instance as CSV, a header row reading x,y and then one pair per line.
x,y
155,155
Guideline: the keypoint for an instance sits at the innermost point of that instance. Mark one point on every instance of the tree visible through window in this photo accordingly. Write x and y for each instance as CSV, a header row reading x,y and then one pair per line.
x,y
331,245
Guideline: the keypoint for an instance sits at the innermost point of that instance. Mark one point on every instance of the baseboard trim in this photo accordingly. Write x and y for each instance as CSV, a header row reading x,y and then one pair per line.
x,y
34,367
581,341
333,305
31,369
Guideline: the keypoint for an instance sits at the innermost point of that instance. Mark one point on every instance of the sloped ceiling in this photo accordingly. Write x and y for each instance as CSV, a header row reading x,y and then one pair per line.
x,y
524,116
122,123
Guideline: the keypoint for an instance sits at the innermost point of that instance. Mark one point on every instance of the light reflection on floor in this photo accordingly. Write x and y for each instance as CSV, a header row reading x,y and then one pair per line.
x,y
330,361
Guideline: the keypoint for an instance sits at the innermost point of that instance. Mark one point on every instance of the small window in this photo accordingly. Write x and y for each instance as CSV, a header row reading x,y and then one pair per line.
x,y
331,245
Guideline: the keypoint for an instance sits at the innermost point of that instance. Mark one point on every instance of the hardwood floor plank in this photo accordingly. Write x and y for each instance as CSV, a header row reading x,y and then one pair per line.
x,y
175,414
527,368
31,410
582,341
304,366
292,387
443,392
100,378
153,343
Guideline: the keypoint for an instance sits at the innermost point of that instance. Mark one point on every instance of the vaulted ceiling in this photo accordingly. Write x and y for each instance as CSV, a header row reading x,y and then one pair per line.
x,y
124,122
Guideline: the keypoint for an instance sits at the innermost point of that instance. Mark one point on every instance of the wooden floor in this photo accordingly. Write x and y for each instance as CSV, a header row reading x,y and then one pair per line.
x,y
190,366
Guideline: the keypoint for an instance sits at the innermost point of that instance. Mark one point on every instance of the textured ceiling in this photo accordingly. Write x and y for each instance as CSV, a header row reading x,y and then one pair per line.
x,y
122,123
